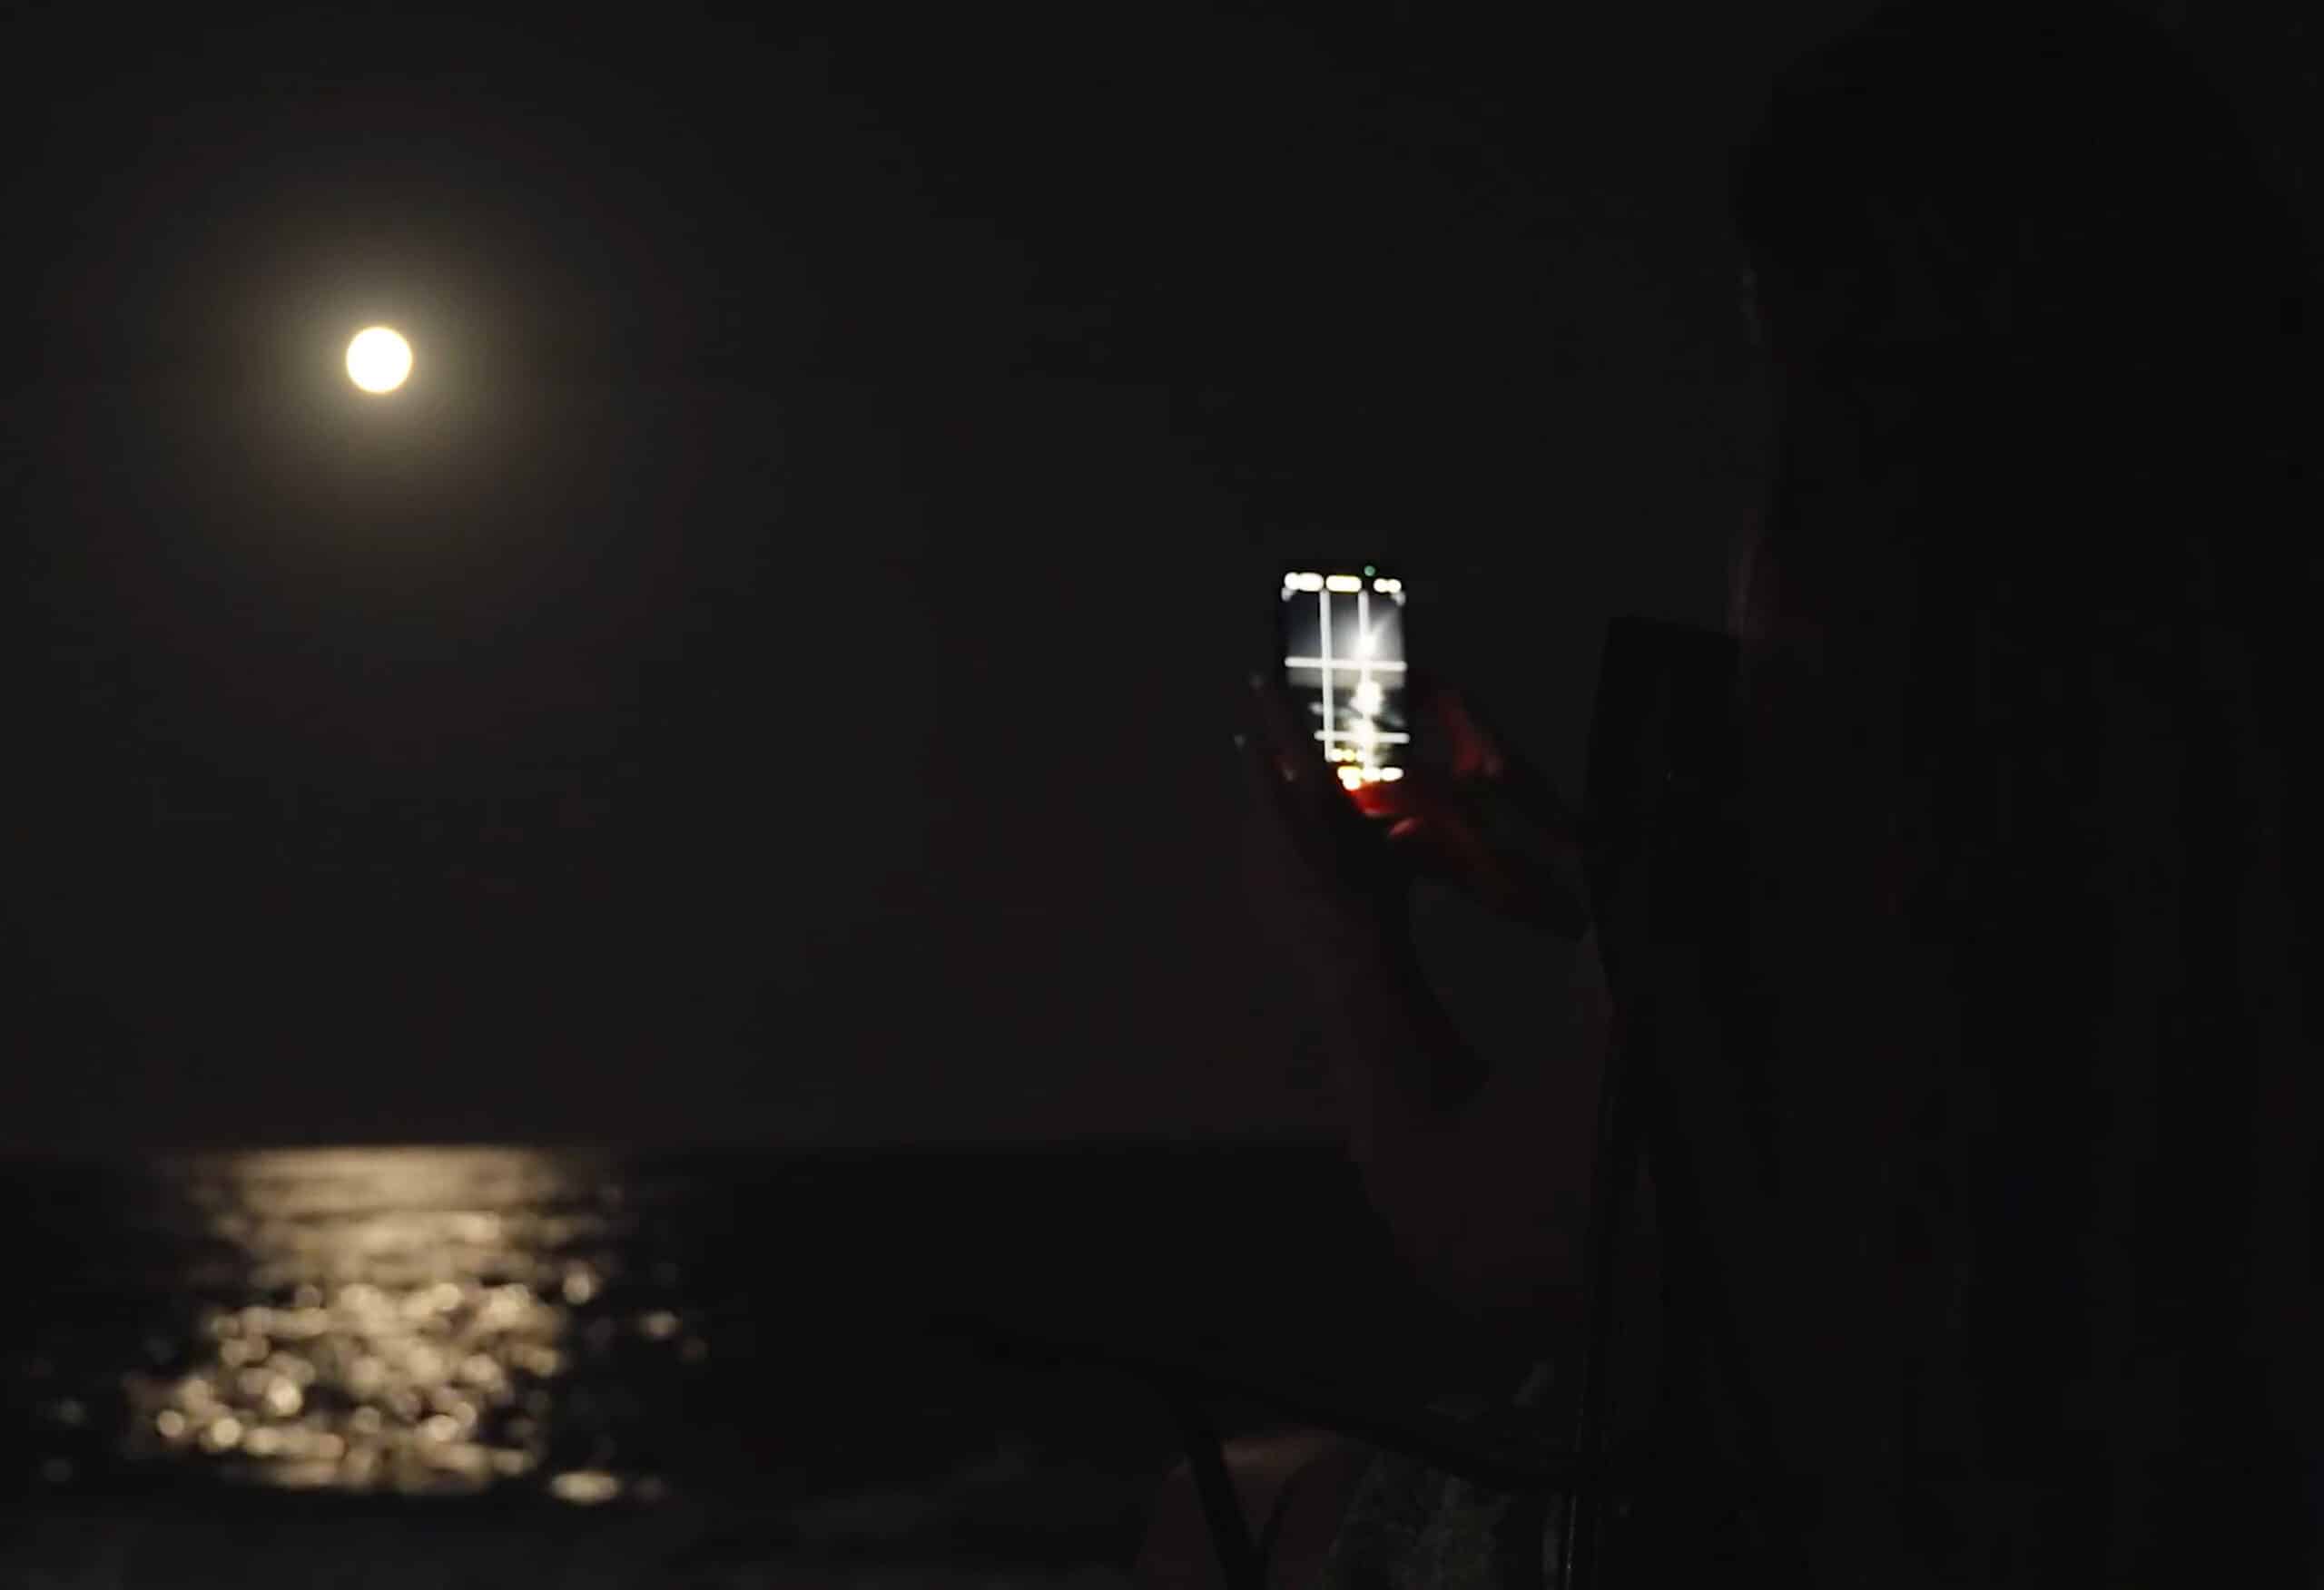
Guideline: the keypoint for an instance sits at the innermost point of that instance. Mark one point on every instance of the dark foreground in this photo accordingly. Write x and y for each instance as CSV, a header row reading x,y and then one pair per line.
x,y
522,1367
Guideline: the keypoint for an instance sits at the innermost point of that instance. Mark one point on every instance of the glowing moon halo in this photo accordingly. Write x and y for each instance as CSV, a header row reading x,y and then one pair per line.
x,y
378,360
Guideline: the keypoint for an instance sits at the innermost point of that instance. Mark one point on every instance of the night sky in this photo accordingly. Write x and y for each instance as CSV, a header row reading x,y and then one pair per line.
x,y
769,676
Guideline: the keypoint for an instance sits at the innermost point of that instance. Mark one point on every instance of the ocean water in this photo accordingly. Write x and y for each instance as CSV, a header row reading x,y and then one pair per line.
x,y
433,1364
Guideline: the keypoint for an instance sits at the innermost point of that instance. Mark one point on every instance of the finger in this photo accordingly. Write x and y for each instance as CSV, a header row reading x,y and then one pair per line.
x,y
1462,710
1303,765
1476,751
1327,817
1424,695
1275,722
1389,800
1489,755
1298,788
1469,748
1283,719
1449,830
1426,794
1284,808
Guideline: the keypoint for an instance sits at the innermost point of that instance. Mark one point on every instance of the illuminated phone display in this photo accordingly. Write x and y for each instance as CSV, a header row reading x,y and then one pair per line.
x,y
1344,659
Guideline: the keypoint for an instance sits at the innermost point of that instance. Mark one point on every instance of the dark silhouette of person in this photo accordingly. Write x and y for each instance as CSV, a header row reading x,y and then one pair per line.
x,y
1987,1198
2027,905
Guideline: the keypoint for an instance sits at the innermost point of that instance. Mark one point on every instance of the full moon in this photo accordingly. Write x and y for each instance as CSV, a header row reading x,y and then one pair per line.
x,y
378,360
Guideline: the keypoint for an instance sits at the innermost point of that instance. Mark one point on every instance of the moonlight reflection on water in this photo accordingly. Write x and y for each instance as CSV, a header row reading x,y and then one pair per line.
x,y
764,1343
402,1319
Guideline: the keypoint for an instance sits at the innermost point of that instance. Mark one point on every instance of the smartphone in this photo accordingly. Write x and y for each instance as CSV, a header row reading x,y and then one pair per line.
x,y
1342,627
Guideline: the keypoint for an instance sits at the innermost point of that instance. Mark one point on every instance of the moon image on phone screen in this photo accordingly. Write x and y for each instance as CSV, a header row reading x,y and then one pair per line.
x,y
1344,659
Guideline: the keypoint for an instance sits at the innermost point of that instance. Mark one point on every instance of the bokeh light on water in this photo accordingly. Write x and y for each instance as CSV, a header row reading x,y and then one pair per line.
x,y
401,1320
339,1337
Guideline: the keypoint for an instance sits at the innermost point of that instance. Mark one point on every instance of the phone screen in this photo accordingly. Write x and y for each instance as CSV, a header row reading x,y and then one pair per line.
x,y
1342,631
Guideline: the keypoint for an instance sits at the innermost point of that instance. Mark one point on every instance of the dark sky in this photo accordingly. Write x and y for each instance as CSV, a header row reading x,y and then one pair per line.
x,y
770,674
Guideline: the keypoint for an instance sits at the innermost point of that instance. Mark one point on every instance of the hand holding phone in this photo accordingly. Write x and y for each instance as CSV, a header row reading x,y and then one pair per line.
x,y
1470,811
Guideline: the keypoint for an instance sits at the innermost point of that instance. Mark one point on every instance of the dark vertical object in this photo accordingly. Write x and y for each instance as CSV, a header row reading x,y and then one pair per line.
x,y
1662,694
1611,1177
1238,1555
1613,836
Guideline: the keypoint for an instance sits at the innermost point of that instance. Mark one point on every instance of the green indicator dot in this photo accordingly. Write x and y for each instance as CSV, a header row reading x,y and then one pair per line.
x,y
1370,570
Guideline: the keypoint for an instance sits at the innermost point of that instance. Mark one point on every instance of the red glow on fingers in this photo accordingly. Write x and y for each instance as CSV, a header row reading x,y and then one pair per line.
x,y
1473,751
